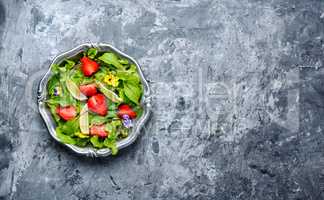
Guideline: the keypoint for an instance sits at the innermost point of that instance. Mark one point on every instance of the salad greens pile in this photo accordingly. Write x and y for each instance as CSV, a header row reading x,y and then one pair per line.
x,y
94,99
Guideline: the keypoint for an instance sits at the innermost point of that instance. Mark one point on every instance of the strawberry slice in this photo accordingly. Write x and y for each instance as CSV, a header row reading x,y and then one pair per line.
x,y
89,66
67,113
98,130
89,90
97,104
125,109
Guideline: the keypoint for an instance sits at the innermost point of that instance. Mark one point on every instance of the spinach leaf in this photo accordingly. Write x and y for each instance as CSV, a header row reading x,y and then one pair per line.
x,y
111,59
133,92
128,76
97,120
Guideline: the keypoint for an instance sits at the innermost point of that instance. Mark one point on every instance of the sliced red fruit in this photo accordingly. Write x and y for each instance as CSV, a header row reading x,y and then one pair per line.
x,y
89,66
125,109
97,104
66,113
98,130
89,89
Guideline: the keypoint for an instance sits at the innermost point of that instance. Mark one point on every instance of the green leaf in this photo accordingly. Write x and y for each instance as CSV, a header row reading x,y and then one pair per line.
x,y
98,120
77,77
139,111
58,101
53,111
70,127
133,92
53,82
87,80
123,61
82,142
111,114
111,59
100,75
128,76
69,64
92,52
123,132
96,142
112,106
111,144
109,128
116,123
55,68
64,138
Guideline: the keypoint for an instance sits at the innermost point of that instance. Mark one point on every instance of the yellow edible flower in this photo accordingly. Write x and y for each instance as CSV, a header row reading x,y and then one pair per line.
x,y
111,80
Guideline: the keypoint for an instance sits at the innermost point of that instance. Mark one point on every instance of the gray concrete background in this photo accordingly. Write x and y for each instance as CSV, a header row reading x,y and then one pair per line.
x,y
238,99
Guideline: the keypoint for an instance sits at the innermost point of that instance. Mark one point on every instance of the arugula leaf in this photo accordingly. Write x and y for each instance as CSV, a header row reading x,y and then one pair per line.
x,y
53,111
112,106
92,52
64,138
87,80
123,132
69,64
133,92
116,123
96,142
123,61
77,77
109,128
58,101
52,83
111,59
55,68
111,144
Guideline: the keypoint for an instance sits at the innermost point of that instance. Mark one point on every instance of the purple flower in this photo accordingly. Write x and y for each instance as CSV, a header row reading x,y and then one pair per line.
x,y
127,122
57,91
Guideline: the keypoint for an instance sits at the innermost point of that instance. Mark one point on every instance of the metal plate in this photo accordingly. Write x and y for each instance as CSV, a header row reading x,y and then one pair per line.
x,y
50,123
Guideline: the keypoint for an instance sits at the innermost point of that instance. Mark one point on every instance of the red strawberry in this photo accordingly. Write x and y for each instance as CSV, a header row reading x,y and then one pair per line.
x,y
97,104
67,113
125,109
98,130
89,66
88,90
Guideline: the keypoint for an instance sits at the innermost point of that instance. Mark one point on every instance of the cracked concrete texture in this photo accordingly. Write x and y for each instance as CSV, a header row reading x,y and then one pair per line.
x,y
238,99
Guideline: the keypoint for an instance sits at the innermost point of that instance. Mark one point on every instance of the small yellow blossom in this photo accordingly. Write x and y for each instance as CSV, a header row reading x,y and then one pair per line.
x,y
111,80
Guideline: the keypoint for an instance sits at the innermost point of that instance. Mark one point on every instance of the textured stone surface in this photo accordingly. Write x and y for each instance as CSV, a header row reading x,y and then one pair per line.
x,y
238,99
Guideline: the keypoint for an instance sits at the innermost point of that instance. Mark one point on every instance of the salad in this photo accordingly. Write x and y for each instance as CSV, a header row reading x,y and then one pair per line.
x,y
94,98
